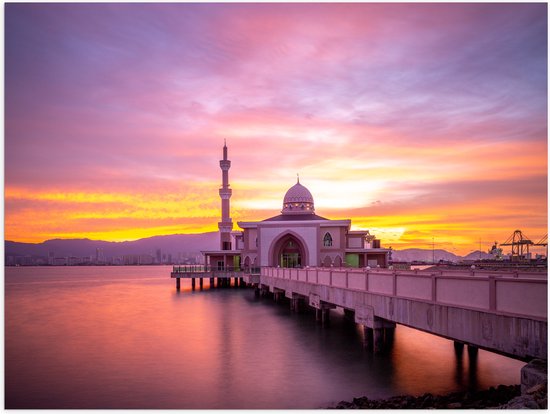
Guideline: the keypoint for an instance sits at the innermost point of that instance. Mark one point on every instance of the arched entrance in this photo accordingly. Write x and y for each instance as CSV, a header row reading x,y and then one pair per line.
x,y
289,252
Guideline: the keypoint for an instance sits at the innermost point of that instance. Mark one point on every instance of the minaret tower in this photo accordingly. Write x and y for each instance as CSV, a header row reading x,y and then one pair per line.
x,y
226,225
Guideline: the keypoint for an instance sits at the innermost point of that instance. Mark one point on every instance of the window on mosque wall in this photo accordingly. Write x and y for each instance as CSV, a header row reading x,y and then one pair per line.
x,y
327,240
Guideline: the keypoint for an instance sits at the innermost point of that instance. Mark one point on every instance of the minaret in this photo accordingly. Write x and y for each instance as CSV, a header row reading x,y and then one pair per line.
x,y
226,225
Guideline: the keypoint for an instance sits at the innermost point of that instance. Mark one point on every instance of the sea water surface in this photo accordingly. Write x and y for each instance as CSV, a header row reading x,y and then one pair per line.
x,y
123,337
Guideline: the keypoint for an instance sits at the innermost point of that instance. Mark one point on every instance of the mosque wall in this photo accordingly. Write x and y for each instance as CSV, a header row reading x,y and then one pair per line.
x,y
252,234
336,237
269,235
355,242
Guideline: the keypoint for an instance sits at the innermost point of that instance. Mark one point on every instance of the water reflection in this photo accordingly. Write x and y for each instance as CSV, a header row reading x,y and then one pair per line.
x,y
130,340
472,367
459,355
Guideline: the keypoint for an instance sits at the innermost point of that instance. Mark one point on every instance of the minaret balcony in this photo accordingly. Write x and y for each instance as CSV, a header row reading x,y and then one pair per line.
x,y
225,227
225,165
225,193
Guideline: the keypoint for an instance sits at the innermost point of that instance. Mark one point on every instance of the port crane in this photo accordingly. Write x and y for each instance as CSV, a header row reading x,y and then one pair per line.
x,y
543,241
520,245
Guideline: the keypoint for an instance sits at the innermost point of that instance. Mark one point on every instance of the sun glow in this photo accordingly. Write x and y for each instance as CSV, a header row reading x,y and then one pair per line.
x,y
411,135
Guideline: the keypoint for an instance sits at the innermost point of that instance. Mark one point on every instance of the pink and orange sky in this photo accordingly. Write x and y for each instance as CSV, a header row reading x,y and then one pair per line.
x,y
417,121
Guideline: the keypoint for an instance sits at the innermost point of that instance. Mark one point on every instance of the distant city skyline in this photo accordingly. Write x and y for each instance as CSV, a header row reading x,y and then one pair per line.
x,y
420,122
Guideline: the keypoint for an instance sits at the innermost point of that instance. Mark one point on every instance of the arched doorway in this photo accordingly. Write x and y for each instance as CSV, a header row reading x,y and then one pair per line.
x,y
289,252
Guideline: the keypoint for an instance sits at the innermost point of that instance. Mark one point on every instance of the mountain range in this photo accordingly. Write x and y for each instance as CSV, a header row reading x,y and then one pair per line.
x,y
187,244
427,255
190,244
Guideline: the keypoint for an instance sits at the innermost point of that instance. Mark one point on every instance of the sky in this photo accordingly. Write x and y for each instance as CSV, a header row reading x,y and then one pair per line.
x,y
422,122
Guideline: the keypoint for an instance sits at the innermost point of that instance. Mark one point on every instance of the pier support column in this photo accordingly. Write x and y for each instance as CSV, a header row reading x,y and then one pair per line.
x,y
325,316
212,282
383,334
200,283
472,353
378,339
389,334
349,315
193,283
257,291
322,310
241,282
459,348
369,337
472,365
295,304
178,284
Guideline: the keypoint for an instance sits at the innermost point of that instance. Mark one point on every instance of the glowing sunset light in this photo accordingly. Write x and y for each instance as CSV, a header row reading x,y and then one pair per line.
x,y
414,120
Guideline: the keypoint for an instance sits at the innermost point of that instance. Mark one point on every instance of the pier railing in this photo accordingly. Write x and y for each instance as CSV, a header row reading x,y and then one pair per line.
x,y
505,293
212,271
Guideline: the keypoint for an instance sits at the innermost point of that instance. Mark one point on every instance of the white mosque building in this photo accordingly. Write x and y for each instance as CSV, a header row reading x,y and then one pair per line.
x,y
295,238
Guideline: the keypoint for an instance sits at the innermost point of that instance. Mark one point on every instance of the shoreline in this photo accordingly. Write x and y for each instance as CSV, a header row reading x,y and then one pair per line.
x,y
501,396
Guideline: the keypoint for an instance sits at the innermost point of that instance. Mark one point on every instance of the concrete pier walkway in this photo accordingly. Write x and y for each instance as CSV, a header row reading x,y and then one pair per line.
x,y
503,312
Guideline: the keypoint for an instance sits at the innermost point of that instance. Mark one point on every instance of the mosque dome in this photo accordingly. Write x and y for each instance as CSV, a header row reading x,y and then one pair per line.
x,y
298,200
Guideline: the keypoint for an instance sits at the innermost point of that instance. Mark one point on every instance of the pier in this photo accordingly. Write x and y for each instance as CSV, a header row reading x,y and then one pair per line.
x,y
217,276
502,312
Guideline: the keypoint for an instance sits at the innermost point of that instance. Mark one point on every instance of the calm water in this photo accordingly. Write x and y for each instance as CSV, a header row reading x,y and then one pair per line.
x,y
122,337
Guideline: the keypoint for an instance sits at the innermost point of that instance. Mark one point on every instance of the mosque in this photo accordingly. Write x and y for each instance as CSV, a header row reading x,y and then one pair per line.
x,y
295,238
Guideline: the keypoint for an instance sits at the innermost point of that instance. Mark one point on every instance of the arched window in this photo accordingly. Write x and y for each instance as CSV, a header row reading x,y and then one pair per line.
x,y
327,240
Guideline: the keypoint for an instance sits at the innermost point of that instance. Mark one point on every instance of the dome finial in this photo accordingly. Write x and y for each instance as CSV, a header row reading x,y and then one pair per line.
x,y
297,178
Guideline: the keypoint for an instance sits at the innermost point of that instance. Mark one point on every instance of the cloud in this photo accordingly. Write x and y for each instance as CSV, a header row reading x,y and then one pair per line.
x,y
402,103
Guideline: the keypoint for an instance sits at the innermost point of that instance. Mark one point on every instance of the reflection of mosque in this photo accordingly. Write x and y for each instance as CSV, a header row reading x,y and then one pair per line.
x,y
295,238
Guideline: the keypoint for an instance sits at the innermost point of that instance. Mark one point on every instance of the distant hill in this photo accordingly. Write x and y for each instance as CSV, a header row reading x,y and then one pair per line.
x,y
426,255
172,244
189,244
476,256
423,255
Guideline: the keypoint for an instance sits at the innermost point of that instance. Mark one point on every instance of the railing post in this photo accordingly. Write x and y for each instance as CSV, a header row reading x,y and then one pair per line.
x,y
492,293
434,288
347,280
394,276
366,281
330,278
317,276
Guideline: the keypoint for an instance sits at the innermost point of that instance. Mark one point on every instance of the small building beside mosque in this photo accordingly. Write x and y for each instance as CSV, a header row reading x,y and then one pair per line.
x,y
297,237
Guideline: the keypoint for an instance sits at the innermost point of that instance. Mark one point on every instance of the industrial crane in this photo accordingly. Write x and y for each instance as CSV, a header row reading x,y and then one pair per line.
x,y
543,241
520,245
